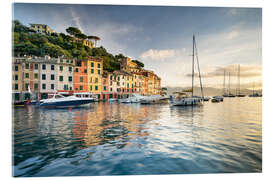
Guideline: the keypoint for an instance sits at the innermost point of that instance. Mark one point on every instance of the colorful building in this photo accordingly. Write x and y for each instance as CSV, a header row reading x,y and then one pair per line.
x,y
65,73
95,71
80,76
105,86
41,28
17,80
48,76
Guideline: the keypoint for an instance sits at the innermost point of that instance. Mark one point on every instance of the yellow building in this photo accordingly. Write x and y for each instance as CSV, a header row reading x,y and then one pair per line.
x,y
41,28
95,71
85,42
128,65
16,80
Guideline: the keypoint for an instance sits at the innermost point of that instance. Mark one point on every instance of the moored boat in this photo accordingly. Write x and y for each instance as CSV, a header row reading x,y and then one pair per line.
x,y
183,98
218,98
133,98
59,100
154,99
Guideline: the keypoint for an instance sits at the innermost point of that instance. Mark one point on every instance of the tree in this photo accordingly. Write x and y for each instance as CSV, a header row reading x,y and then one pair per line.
x,y
140,64
81,36
119,56
73,31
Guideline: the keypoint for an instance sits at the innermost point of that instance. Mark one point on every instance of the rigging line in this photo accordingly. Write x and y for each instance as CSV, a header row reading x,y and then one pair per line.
x,y
193,64
199,68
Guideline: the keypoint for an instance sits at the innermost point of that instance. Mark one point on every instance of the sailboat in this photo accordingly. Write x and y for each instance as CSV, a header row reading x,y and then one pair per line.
x,y
184,98
238,94
224,86
230,94
254,94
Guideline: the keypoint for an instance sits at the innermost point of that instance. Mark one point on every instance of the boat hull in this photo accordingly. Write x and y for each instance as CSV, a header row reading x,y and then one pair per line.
x,y
69,103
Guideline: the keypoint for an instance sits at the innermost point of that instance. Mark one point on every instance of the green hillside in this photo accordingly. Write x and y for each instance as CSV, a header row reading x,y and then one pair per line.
x,y
28,42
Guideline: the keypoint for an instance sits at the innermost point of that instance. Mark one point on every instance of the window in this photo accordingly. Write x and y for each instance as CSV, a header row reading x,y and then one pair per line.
x,y
85,71
35,86
111,77
52,76
76,70
104,88
90,87
70,78
127,85
81,79
52,86
61,60
26,86
26,66
67,61
26,75
92,64
36,66
43,86
70,69
52,67
118,78
92,71
60,78
44,66
98,71
71,61
16,86
16,77
36,75
43,76
61,68
96,88
65,87
81,87
96,80
111,89
98,65
16,68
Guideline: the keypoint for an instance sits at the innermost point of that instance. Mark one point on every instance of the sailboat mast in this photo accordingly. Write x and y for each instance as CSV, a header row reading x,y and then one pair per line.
x,y
199,68
193,64
229,83
224,83
239,79
253,89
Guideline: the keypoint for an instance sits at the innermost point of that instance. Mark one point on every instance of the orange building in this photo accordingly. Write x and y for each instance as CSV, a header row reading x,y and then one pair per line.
x,y
80,82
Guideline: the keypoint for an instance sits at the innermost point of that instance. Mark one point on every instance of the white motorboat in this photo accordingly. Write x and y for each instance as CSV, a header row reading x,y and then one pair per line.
x,y
133,98
112,99
154,99
59,100
217,99
183,99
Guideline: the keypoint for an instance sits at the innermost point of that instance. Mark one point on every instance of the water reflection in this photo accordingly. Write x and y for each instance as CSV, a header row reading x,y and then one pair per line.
x,y
110,138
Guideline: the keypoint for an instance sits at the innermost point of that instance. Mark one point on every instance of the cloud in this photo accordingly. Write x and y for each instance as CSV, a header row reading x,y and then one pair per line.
x,y
246,71
158,54
76,19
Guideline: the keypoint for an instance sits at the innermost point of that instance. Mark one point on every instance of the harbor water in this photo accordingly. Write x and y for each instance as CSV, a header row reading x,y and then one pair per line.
x,y
133,139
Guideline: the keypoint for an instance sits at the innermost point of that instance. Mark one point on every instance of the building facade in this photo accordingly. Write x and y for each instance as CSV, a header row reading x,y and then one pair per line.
x,y
80,82
95,71
41,28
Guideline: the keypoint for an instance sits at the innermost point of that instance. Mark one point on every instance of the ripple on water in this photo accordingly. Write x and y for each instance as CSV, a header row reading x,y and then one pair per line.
x,y
114,139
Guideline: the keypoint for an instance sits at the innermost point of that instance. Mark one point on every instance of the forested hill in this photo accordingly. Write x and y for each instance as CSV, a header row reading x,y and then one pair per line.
x,y
28,42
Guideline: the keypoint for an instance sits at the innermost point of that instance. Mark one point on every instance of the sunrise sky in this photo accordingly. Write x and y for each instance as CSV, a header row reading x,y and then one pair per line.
x,y
161,37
